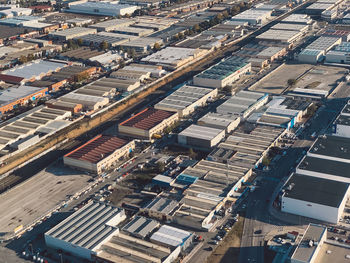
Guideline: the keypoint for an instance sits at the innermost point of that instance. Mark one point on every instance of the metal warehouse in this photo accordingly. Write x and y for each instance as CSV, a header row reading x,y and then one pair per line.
x,y
223,73
226,122
102,8
72,33
111,39
243,103
99,154
186,99
200,136
111,25
283,36
141,226
86,230
147,123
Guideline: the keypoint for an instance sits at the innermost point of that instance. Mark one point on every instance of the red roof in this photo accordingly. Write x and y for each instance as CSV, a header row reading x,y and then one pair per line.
x,y
10,79
147,119
97,148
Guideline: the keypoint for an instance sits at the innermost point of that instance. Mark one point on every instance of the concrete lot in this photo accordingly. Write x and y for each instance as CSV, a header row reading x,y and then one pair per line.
x,y
31,199
321,78
276,82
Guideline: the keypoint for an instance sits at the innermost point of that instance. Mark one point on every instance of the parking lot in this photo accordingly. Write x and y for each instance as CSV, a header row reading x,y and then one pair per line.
x,y
26,202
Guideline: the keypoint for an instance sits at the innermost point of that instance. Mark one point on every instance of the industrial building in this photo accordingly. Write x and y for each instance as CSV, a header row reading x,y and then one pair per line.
x,y
99,154
243,103
223,73
174,57
12,98
307,252
253,16
324,168
342,124
316,51
142,44
186,99
340,54
166,245
297,19
112,39
31,71
83,233
71,33
281,36
291,27
160,208
200,136
220,121
141,226
112,24
88,102
133,31
155,71
313,197
102,8
148,123
112,84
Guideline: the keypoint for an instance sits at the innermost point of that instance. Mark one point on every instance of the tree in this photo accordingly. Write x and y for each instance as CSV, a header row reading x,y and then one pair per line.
x,y
197,28
23,59
156,46
192,154
160,167
181,35
79,42
104,45
30,57
291,82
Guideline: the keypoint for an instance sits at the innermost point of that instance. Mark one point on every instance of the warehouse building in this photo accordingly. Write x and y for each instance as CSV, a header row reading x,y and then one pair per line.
x,y
141,226
272,53
142,44
324,168
148,123
71,33
31,71
342,126
316,51
133,31
200,136
313,197
174,57
220,121
130,75
89,102
82,233
291,27
112,39
102,9
160,208
99,154
304,253
172,237
243,103
12,98
331,147
122,85
112,24
186,99
155,71
74,108
297,19
223,73
340,54
281,36
253,16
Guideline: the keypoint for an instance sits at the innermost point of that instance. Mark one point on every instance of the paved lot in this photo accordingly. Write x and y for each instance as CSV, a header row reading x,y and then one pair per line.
x,y
276,82
321,78
31,199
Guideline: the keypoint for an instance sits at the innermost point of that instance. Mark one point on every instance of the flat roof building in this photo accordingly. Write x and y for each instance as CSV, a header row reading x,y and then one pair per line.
x,y
310,245
200,136
223,73
71,33
186,99
147,123
174,57
99,154
243,103
220,121
313,197
102,8
141,226
86,230
160,208
283,36
112,24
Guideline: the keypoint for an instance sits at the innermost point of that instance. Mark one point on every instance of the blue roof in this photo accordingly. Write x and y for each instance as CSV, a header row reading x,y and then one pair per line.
x,y
187,179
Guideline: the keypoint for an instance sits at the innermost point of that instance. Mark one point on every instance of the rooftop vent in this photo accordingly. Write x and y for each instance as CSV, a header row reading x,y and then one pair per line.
x,y
329,251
